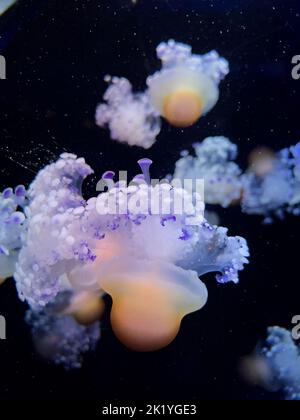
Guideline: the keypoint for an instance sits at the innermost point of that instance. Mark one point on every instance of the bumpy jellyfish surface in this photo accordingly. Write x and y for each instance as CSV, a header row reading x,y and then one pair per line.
x,y
12,226
187,86
143,244
282,356
213,163
129,116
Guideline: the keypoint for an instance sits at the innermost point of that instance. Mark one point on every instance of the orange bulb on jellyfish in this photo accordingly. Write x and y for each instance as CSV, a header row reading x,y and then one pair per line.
x,y
150,299
182,95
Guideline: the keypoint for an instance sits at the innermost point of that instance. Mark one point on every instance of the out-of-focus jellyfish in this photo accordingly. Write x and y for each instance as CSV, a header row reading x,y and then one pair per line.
x,y
60,339
262,160
187,86
144,245
277,364
130,116
213,163
12,225
275,190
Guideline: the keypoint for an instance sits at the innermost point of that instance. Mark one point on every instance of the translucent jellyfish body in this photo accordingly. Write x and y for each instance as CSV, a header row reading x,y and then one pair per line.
x,y
139,243
12,225
213,163
129,116
188,84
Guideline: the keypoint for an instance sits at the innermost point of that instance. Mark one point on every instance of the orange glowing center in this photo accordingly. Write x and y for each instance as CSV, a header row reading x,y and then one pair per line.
x,y
145,319
183,108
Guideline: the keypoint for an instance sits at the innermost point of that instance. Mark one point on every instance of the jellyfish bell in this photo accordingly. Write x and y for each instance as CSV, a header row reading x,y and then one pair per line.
x,y
262,161
183,108
86,307
182,95
149,300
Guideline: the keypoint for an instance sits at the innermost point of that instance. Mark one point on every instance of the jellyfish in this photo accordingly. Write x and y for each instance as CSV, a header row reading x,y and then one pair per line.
x,y
187,87
130,116
12,226
214,164
275,191
277,364
137,243
270,187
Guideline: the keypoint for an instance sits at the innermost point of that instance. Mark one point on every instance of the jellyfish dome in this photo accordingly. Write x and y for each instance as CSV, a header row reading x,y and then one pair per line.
x,y
213,163
130,116
12,226
145,245
187,87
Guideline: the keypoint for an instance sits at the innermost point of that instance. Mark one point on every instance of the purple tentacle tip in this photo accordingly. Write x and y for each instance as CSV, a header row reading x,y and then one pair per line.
x,y
20,191
108,175
145,167
8,193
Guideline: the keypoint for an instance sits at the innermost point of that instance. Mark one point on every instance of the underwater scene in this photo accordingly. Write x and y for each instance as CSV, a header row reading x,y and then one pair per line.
x,y
149,202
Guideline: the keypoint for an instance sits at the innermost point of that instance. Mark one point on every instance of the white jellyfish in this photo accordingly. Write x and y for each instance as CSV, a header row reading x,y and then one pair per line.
x,y
187,87
147,254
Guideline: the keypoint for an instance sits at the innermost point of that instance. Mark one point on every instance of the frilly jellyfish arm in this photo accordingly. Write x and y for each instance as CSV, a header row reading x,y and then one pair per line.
x,y
12,228
55,205
217,252
129,116
213,163
283,357
61,339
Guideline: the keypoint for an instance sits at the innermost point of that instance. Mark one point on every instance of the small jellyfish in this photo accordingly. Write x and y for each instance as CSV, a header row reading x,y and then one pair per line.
x,y
129,116
277,364
270,186
187,87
